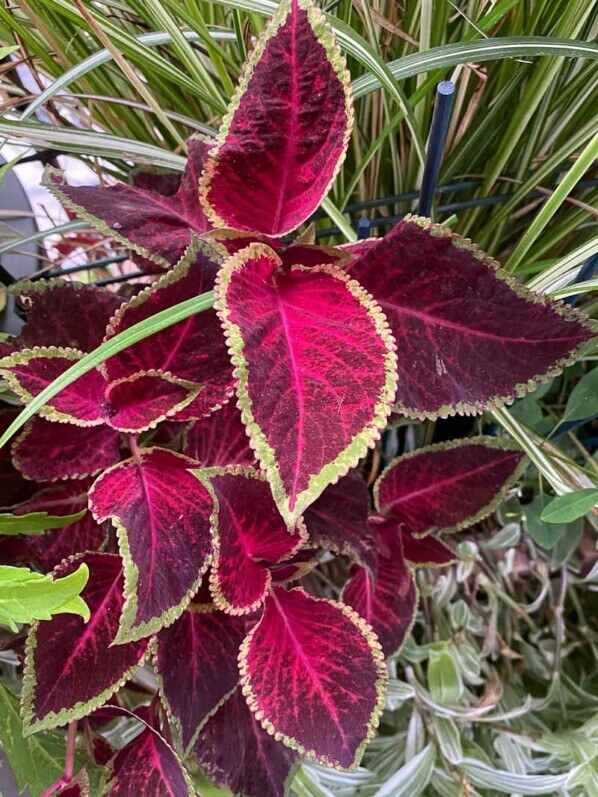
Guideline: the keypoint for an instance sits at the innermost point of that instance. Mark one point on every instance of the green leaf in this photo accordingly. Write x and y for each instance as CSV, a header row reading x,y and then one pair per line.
x,y
38,760
4,51
26,596
444,679
583,401
412,778
545,534
36,522
6,167
570,506
562,551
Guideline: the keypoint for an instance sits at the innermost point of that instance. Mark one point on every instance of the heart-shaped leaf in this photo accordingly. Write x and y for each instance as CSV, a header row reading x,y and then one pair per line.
x,y
219,440
162,517
388,600
448,486
47,452
140,402
193,350
338,520
237,753
316,370
313,673
148,766
470,337
72,667
196,667
151,218
248,533
286,132
29,371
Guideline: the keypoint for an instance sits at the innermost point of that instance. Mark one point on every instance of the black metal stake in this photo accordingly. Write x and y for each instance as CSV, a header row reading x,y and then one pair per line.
x,y
440,121
364,227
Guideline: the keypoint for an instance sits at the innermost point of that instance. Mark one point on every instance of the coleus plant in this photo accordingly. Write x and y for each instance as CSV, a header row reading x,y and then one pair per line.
x,y
220,506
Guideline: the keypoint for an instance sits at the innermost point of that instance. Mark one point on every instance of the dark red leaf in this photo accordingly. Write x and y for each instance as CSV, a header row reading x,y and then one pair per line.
x,y
72,667
220,439
156,225
448,486
316,370
196,666
13,487
140,402
67,314
248,533
236,753
388,600
313,673
49,549
47,452
194,349
148,766
338,520
285,135
29,371
162,517
470,338
426,552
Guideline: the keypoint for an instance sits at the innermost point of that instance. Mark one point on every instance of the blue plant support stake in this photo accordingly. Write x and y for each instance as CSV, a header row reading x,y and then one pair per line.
x,y
440,121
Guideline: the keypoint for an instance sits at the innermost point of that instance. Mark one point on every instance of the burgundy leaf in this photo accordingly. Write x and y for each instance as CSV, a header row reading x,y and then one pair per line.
x,y
156,225
67,314
448,486
338,520
285,135
220,439
236,752
194,349
29,371
162,517
302,563
196,667
426,552
388,600
470,338
248,533
229,242
316,369
141,401
72,667
49,549
313,673
148,766
13,486
47,452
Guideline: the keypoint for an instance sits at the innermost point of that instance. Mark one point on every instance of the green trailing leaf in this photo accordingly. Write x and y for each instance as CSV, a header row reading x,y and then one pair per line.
x,y
26,596
36,522
36,761
570,506
545,534
444,679
583,401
